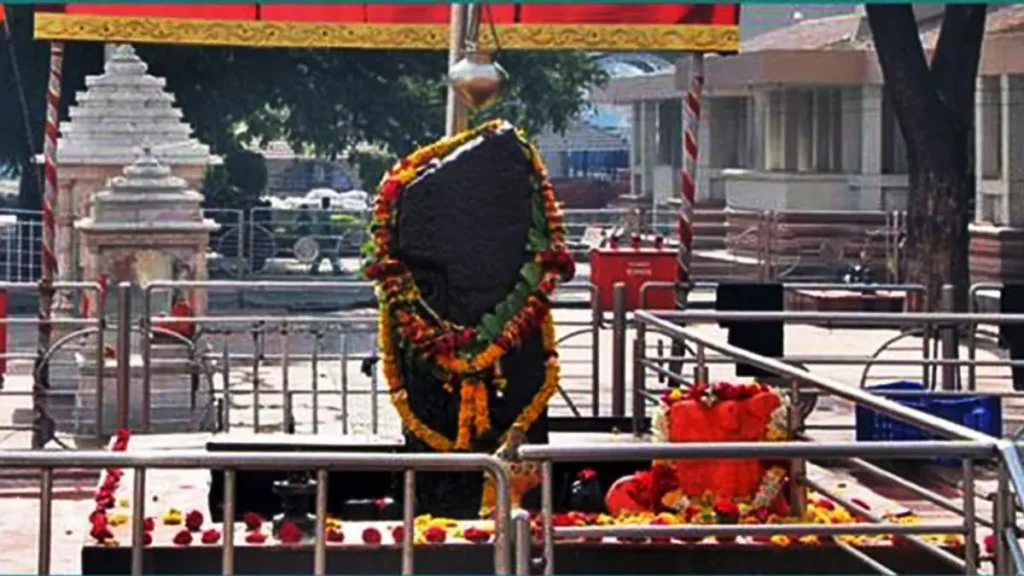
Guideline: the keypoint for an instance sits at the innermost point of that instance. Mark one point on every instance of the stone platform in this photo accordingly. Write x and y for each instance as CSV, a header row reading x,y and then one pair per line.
x,y
186,490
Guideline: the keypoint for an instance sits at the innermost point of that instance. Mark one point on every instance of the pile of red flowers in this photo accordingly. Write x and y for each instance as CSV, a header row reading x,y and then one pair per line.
x,y
98,521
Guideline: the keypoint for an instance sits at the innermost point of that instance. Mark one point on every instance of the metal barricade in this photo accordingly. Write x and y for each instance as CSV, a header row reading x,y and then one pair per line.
x,y
321,462
22,346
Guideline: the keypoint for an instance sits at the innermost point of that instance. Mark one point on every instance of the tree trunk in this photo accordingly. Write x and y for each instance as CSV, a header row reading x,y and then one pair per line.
x,y
934,108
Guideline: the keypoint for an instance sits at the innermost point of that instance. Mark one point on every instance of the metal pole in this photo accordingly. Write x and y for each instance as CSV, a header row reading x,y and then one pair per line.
x,y
521,519
147,354
408,521
288,418
138,520
320,538
596,321
619,350
124,344
101,365
970,524
45,520
1003,510
455,118
950,342
547,499
639,385
227,562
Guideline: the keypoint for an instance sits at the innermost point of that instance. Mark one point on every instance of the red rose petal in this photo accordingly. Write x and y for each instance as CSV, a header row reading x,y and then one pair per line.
x,y
477,535
101,533
397,534
182,538
435,535
194,520
989,544
147,538
334,535
256,537
252,521
211,536
289,533
148,524
371,536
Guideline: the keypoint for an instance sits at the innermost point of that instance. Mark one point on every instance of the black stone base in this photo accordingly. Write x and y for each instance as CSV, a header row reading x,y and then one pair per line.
x,y
570,558
254,488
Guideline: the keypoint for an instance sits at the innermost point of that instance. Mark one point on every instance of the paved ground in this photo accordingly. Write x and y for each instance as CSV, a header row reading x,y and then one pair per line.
x,y
332,414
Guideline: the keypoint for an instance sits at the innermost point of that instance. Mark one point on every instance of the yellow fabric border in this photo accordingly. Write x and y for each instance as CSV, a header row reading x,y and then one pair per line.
x,y
279,34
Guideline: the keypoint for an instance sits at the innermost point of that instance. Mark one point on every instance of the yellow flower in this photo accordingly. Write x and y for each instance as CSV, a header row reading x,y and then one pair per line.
x,y
780,540
122,502
173,517
117,519
111,543
333,523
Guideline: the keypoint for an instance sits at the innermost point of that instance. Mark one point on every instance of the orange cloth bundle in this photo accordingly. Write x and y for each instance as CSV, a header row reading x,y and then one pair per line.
x,y
744,419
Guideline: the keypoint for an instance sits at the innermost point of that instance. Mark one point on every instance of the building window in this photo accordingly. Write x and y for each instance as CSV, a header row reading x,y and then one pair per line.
x,y
990,124
827,130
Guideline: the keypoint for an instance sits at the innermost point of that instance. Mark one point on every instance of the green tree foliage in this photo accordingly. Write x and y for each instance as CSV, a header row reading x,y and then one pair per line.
x,y
372,166
322,101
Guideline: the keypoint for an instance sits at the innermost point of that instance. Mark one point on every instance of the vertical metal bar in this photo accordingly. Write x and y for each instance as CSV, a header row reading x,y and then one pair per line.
x,y
639,384
619,350
344,383
138,520
797,466
45,520
240,243
950,344
521,520
226,376
972,350
315,365
502,521
970,520
227,558
288,418
124,344
257,356
547,498
1002,511
408,521
147,354
700,371
374,403
320,539
926,332
596,320
101,364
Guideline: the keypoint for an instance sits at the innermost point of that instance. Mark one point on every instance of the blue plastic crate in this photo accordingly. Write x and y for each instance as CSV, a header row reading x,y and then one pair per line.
x,y
981,413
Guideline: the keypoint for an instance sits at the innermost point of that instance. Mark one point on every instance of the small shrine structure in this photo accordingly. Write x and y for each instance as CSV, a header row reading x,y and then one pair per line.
x,y
120,111
147,225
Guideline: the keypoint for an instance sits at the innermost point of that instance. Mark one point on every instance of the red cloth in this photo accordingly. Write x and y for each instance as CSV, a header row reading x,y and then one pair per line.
x,y
727,421
640,14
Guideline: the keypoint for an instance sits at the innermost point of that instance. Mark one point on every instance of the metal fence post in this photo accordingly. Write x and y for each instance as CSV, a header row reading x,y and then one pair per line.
x,y
619,350
596,323
950,344
639,385
124,344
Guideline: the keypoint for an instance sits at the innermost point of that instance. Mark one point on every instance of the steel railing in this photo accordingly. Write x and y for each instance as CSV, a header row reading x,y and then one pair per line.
x,y
140,462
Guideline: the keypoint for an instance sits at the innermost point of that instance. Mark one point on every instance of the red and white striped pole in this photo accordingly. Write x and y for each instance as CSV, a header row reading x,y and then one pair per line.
x,y
691,128
43,425
49,263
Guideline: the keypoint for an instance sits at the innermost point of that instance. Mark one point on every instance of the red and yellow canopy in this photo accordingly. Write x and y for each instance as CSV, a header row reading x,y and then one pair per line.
x,y
627,27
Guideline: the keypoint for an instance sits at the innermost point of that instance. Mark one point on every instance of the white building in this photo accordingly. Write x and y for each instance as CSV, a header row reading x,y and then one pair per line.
x,y
799,120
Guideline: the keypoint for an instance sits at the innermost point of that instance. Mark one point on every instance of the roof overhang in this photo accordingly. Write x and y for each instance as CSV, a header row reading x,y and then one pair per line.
x,y
1002,54
605,27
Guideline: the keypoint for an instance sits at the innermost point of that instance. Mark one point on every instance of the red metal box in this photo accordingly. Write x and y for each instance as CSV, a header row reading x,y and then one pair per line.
x,y
633,267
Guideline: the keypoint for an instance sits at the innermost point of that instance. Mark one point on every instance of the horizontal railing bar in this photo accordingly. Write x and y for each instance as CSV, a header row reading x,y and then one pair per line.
x,y
854,360
767,450
836,318
244,460
696,530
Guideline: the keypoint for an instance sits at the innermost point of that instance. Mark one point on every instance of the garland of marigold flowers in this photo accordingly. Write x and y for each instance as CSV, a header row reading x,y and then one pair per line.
x,y
463,354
